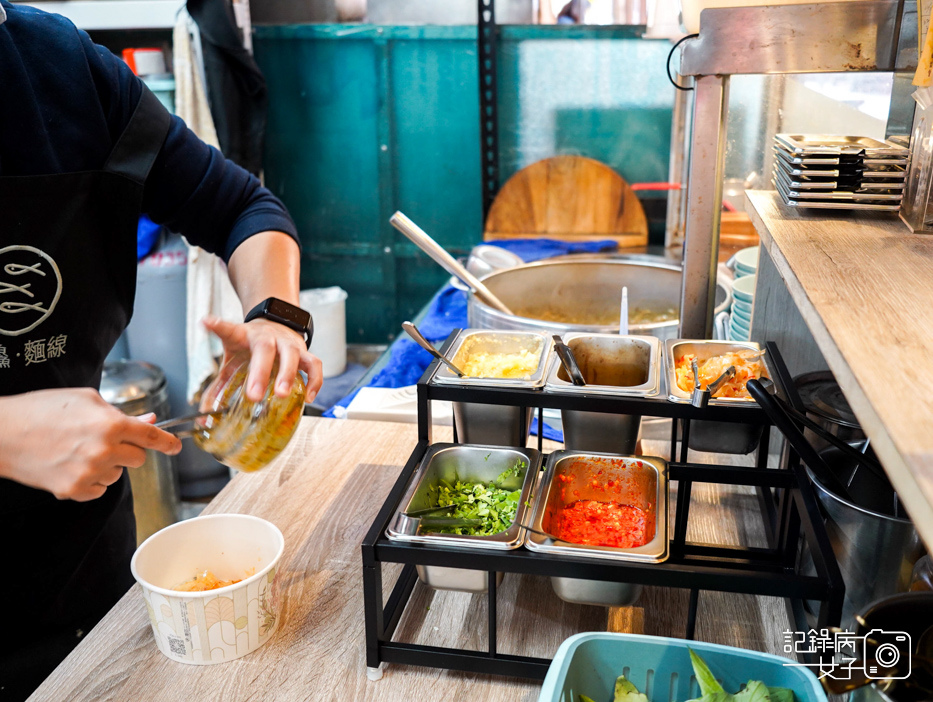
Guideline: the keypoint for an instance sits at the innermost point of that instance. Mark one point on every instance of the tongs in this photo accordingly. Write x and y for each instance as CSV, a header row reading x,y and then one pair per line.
x,y
565,354
701,395
173,424
782,420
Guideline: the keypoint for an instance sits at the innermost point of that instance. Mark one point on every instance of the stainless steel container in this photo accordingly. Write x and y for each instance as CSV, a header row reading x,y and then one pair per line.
x,y
585,287
611,365
875,550
497,425
717,437
136,388
570,476
500,425
449,463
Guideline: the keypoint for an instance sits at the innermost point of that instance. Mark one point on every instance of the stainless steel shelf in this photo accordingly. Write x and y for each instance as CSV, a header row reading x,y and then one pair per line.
x,y
858,35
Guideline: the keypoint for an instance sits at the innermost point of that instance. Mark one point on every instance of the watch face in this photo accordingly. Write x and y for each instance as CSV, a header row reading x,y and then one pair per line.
x,y
293,314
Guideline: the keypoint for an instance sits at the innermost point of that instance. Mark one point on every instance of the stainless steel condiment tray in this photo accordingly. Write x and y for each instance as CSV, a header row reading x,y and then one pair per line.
x,y
833,143
570,476
895,172
470,341
841,160
638,357
830,204
675,349
448,463
846,195
814,184
874,193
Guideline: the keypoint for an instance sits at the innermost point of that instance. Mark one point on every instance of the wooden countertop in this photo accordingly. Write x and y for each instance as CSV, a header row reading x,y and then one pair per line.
x,y
323,493
864,285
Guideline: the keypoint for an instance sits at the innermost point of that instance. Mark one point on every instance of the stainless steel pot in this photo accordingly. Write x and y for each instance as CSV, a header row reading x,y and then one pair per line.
x,y
589,284
875,549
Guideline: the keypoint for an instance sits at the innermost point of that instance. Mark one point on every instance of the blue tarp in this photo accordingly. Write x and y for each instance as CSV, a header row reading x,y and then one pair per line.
x,y
448,311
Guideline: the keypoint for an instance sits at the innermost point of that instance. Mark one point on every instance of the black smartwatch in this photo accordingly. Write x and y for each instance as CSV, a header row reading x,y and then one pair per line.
x,y
292,316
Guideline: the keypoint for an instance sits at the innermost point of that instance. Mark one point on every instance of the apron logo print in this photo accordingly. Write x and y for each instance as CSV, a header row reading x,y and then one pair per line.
x,y
30,286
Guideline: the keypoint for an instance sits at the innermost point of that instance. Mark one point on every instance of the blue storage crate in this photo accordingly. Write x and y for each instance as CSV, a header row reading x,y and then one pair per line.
x,y
660,667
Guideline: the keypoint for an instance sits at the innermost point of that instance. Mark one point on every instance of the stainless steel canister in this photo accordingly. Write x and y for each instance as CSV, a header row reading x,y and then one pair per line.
x,y
135,388
875,550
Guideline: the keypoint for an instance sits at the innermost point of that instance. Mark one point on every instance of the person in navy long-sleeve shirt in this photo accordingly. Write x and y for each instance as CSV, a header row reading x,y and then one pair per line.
x,y
64,101
84,150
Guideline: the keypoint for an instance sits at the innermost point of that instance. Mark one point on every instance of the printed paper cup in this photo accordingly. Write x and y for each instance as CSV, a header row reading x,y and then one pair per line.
x,y
215,625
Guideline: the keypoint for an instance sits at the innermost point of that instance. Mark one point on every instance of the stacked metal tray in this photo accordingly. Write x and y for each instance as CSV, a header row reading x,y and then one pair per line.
x,y
839,172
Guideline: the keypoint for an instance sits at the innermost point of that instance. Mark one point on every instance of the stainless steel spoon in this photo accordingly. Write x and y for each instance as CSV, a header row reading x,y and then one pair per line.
x,y
427,346
173,425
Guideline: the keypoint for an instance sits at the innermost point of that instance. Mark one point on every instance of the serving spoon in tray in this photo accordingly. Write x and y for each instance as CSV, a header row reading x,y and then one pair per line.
x,y
411,525
419,339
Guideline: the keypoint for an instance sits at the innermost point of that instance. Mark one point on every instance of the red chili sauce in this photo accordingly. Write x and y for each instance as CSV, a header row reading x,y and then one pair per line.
x,y
593,523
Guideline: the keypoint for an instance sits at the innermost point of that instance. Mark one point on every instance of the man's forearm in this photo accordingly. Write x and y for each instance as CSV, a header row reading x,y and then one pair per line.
x,y
266,265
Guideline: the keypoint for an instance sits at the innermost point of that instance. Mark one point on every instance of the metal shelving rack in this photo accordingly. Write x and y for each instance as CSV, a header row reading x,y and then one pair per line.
x,y
789,512
858,35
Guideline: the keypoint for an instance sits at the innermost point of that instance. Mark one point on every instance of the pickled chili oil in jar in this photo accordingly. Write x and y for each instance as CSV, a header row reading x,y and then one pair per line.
x,y
248,435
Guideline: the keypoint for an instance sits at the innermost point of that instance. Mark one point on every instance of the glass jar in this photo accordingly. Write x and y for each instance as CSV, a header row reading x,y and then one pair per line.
x,y
248,435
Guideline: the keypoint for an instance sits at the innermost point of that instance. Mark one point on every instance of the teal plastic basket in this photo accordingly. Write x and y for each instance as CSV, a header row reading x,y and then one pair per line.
x,y
660,667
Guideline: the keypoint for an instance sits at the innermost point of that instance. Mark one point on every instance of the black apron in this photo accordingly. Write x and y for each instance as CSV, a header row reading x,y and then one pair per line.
x,y
67,281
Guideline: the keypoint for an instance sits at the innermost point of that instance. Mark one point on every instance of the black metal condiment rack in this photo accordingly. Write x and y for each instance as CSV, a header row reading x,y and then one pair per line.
x,y
788,505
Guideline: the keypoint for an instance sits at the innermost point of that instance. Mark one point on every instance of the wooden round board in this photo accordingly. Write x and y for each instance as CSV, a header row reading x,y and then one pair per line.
x,y
570,198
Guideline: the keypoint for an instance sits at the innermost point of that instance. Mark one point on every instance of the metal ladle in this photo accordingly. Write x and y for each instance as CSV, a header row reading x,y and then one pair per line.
x,y
424,242
427,346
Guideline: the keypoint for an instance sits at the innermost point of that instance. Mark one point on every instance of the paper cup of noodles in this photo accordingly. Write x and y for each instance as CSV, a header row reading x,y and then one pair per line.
x,y
210,586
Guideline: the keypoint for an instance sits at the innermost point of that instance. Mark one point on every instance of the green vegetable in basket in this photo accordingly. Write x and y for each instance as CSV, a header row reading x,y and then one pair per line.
x,y
626,691
710,689
754,691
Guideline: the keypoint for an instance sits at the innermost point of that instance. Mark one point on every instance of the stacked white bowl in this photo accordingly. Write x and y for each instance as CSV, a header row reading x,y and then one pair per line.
x,y
743,300
746,262
745,267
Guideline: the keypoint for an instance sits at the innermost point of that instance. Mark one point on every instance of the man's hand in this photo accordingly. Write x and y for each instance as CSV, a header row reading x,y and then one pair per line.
x,y
265,340
71,443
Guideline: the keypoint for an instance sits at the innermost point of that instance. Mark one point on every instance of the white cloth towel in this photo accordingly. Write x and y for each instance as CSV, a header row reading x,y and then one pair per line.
x,y
209,291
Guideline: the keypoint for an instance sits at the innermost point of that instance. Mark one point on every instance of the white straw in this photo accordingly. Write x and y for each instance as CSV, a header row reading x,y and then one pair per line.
x,y
623,313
